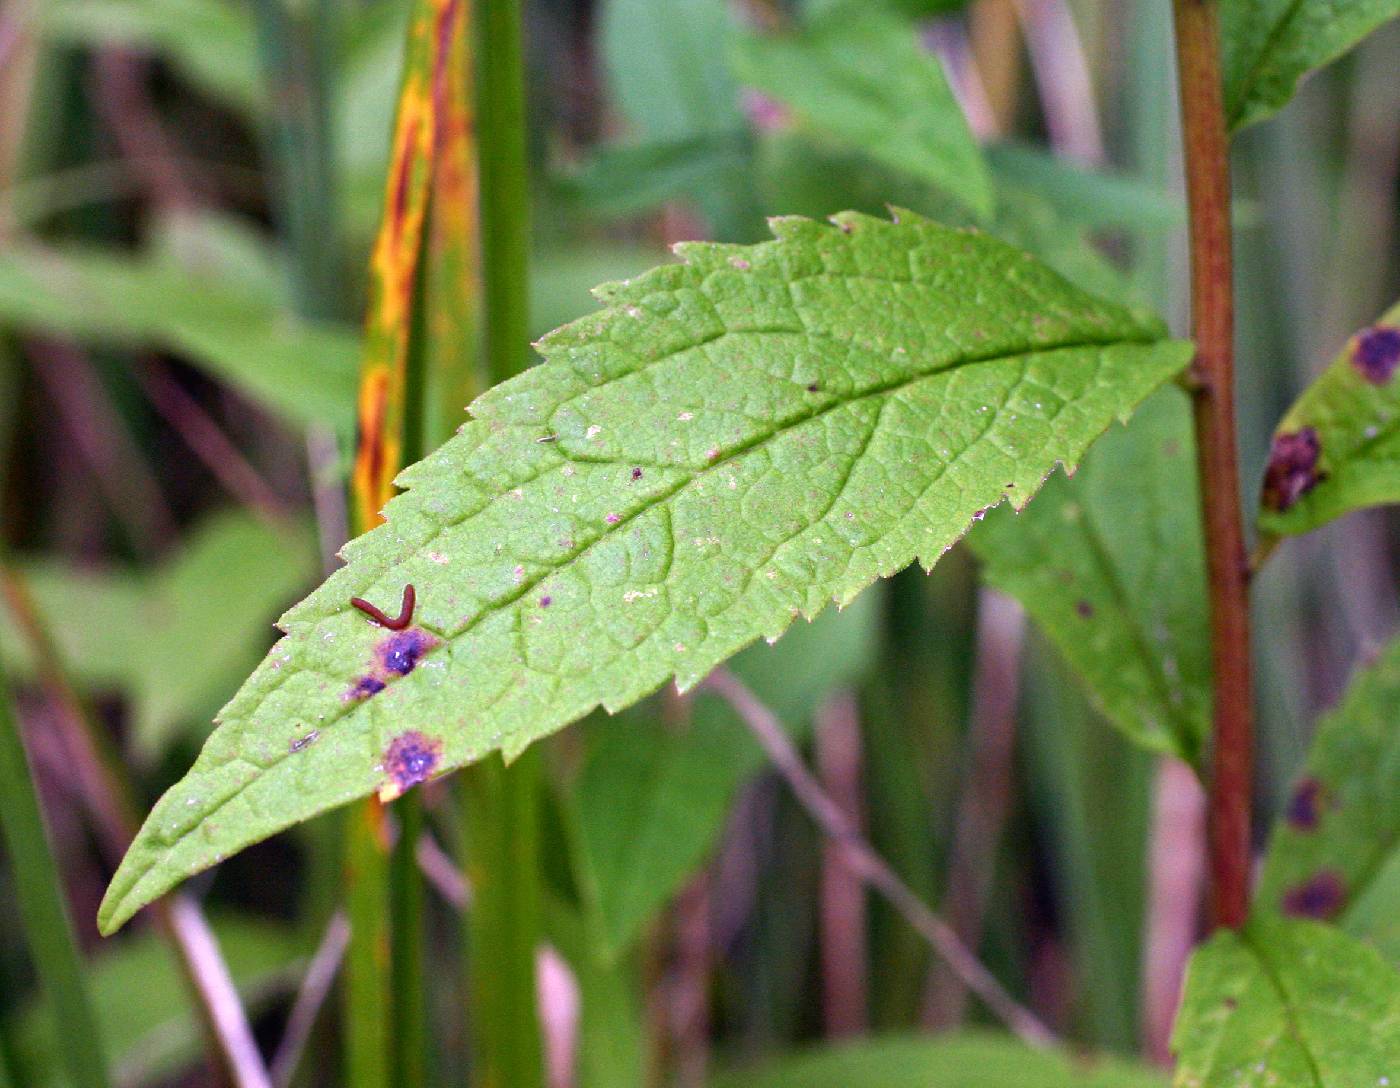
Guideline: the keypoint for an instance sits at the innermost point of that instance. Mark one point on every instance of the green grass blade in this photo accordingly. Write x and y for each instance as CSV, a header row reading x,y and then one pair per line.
x,y
39,890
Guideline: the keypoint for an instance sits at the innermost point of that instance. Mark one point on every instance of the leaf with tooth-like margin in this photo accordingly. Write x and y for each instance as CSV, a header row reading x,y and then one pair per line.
x,y
1338,448
734,441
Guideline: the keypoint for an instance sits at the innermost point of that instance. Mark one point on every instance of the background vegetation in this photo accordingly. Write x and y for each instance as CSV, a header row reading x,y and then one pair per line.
x,y
190,195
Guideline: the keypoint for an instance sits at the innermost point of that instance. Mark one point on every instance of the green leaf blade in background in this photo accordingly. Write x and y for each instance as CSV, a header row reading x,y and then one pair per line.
x,y
1287,1003
1338,448
1110,564
209,292
966,1059
735,441
175,638
1335,851
863,77
1268,46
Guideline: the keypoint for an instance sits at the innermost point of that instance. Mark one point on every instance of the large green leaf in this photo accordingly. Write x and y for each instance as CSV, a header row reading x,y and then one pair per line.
x,y
862,76
970,1059
174,640
1338,447
1111,566
651,801
1287,1003
736,440
1268,46
1335,851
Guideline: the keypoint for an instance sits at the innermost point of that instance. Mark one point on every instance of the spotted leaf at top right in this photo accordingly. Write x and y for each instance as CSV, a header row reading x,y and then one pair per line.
x,y
1338,448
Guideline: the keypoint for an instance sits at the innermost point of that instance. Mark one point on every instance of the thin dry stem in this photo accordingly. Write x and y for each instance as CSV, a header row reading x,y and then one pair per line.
x,y
311,997
869,866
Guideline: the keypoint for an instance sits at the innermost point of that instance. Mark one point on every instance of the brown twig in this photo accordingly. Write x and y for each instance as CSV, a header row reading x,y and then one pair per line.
x,y
1212,318
869,866
102,441
122,99
986,791
207,440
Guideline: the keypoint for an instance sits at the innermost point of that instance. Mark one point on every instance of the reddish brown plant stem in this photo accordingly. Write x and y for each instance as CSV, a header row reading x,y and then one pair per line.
x,y
1212,317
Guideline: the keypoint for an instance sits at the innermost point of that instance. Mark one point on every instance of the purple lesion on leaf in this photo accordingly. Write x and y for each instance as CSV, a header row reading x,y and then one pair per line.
x,y
410,759
1375,352
397,654
365,686
1305,806
1321,897
1085,609
400,652
1292,470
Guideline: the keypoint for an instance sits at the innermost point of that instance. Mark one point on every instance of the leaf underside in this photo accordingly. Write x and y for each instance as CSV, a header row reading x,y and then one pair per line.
x,y
1111,565
1268,46
1287,1003
734,441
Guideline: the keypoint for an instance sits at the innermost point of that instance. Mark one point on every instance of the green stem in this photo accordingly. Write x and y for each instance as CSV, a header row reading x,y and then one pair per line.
x,y
368,1002
502,833
45,915
295,61
502,803
1207,156
505,196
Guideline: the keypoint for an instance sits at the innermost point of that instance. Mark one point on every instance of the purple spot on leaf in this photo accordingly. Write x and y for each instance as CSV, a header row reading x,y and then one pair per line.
x,y
636,474
401,651
1320,897
366,686
546,601
1085,609
1305,806
410,759
1292,470
1376,353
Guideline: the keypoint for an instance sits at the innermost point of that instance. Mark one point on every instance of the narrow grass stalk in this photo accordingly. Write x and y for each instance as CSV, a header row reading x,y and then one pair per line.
x,y
502,803
1207,160
39,890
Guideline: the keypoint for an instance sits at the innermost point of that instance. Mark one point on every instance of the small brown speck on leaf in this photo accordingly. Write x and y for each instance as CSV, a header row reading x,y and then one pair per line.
x,y
1085,609
1292,470
1320,897
636,474
1376,353
410,759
